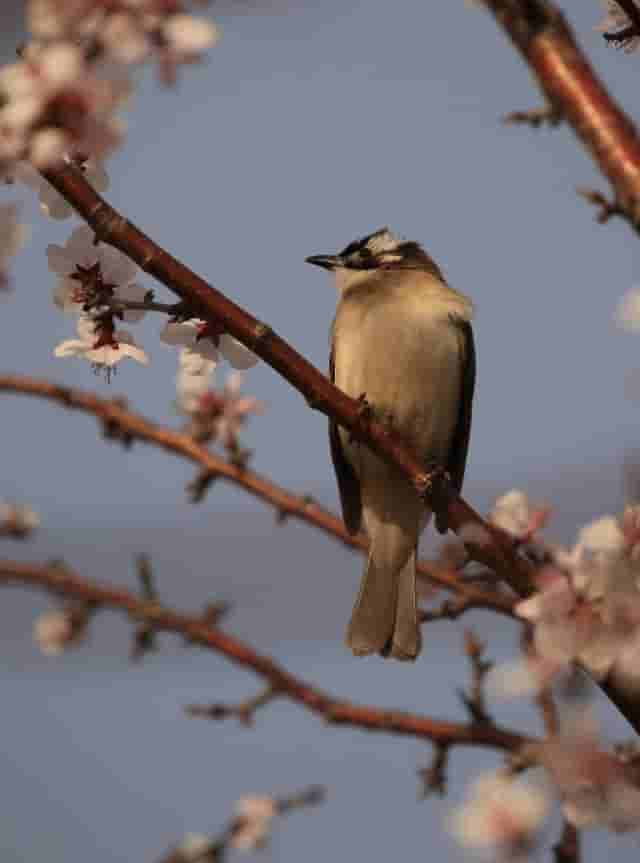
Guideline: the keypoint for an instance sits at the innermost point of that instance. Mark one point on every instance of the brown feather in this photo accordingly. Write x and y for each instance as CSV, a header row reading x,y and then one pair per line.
x,y
457,460
348,482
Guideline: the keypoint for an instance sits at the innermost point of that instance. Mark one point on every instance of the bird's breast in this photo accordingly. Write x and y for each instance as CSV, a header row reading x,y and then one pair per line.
x,y
403,354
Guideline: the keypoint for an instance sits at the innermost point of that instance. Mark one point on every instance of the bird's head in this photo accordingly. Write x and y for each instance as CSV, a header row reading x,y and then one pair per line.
x,y
381,250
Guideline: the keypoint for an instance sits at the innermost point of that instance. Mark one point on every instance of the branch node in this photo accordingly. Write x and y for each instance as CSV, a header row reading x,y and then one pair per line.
x,y
605,208
197,489
261,332
144,635
244,712
434,777
548,115
474,700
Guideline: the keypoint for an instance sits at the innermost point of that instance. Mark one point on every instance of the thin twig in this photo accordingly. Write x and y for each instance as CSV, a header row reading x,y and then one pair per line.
x,y
63,583
567,849
543,37
213,850
125,425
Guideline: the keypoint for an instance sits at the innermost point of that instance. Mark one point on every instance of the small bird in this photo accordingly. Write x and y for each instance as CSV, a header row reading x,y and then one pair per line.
x,y
401,342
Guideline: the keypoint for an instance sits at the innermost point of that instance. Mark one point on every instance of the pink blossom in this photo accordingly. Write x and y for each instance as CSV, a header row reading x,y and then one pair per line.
x,y
254,816
596,787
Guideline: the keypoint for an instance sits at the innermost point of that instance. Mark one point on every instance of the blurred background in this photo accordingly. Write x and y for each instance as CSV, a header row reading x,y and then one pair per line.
x,y
309,125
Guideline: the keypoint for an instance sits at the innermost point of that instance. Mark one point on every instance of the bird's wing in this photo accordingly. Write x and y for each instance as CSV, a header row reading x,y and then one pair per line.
x,y
348,483
460,441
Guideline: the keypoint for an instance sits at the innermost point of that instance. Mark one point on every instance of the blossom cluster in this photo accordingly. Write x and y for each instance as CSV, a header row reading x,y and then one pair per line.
x,y
99,284
63,95
587,606
586,610
595,788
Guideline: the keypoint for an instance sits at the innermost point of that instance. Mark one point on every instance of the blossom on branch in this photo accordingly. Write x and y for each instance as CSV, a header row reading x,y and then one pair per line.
x,y
193,380
214,415
129,31
253,822
55,631
200,337
596,787
515,514
17,520
102,345
55,102
502,814
93,276
52,203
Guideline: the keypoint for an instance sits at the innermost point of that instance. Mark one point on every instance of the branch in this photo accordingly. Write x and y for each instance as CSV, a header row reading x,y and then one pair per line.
x,y
543,37
547,44
195,630
252,829
124,425
209,304
567,849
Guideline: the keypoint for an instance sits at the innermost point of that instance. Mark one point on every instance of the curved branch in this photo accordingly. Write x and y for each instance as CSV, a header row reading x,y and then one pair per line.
x,y
196,630
546,42
206,302
121,423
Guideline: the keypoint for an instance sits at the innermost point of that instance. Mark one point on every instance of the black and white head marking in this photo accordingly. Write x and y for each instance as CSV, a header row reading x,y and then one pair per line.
x,y
383,248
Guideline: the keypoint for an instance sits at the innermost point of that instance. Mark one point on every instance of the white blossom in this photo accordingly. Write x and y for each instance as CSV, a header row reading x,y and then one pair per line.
x,y
196,336
193,380
522,677
515,514
79,256
55,630
54,102
17,519
188,35
254,817
500,813
236,409
101,352
52,203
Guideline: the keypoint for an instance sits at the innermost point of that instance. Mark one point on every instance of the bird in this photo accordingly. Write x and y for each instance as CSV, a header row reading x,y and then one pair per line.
x,y
402,343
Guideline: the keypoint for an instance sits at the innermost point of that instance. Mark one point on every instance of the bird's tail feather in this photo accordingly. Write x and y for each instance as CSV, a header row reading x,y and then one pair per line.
x,y
385,618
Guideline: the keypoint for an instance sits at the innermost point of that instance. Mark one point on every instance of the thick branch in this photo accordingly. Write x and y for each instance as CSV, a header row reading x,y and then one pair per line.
x,y
541,34
208,303
195,630
122,424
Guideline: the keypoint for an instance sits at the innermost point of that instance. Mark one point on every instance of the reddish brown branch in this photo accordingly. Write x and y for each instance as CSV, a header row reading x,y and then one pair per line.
x,y
122,424
206,302
61,582
544,39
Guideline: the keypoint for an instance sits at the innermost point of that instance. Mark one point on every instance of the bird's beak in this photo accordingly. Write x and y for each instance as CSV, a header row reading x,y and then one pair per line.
x,y
328,262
